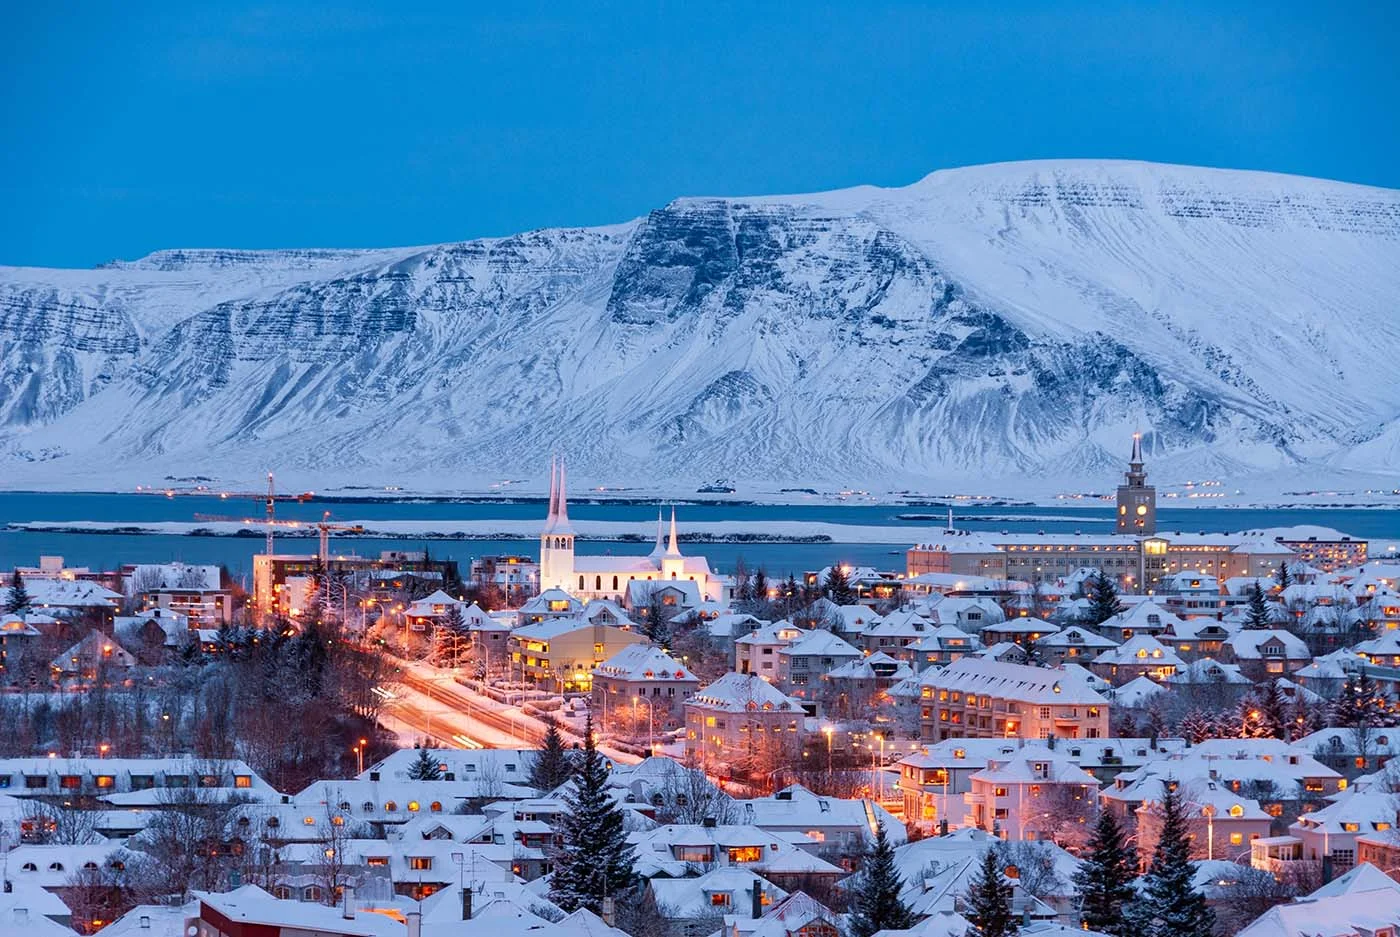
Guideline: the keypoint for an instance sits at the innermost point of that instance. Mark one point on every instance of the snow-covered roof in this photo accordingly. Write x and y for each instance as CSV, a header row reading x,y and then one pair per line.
x,y
643,662
250,905
1012,681
735,692
1142,650
819,643
1247,644
1136,692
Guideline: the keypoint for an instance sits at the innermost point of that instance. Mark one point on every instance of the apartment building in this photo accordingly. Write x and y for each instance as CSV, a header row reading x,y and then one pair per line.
x,y
979,698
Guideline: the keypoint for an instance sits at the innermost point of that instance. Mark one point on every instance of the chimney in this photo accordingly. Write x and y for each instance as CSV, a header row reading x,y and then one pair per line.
x,y
414,922
466,904
756,911
347,896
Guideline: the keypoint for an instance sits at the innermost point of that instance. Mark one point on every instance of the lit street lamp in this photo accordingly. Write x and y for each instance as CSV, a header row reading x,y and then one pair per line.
x,y
828,729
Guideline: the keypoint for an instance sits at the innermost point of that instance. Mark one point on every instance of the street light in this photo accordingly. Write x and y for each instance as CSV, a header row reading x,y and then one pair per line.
x,y
828,729
651,719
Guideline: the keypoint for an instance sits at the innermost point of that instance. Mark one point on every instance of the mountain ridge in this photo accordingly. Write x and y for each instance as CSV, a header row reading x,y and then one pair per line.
x,y
1011,323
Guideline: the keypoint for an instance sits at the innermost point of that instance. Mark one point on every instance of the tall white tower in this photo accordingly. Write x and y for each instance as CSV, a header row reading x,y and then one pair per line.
x,y
557,537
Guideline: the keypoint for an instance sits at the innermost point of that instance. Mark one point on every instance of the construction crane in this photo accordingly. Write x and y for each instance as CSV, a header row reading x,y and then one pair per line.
x,y
269,499
323,527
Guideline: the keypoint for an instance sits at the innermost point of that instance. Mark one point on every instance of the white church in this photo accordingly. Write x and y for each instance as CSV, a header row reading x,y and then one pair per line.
x,y
611,577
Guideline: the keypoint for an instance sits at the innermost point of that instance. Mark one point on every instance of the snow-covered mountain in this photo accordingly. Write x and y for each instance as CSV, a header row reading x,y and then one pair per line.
x,y
984,325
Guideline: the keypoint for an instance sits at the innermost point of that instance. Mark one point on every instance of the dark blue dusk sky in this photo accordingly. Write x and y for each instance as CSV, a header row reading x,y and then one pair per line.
x,y
137,126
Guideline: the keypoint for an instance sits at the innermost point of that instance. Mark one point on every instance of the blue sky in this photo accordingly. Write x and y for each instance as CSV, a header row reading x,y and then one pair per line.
x,y
133,127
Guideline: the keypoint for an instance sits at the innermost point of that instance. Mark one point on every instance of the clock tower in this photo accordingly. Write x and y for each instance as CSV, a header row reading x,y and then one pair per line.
x,y
1137,500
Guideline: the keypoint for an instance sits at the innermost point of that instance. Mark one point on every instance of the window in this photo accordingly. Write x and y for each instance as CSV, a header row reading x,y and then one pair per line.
x,y
999,792
142,782
435,806
390,807
242,780
376,861
1236,839
105,781
719,900
70,782
308,821
420,863
413,806
745,853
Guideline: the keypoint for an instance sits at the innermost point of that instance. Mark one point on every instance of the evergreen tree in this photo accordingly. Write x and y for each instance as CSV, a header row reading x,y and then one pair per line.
x,y
1196,727
594,860
838,586
1105,878
1258,614
792,596
552,765
987,904
1103,598
1283,577
425,767
17,598
1355,707
1274,710
760,589
1169,905
877,905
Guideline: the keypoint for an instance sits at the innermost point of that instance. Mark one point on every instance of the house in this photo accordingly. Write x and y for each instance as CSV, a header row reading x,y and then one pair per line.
x,y
757,651
196,592
808,657
549,604
1139,656
1031,794
638,686
432,610
1266,653
1222,824
842,827
1331,832
17,636
1072,644
854,687
744,725
1142,618
96,656
981,698
249,911
131,782
941,646
1365,905
88,602
562,653
1194,638
894,633
730,891
1023,631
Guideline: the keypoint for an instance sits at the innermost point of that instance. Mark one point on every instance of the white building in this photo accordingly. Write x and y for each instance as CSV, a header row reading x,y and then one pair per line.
x,y
607,577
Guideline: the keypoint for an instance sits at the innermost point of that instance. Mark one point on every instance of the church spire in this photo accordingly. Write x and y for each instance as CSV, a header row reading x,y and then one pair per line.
x,y
553,517
561,513
672,549
659,550
1136,459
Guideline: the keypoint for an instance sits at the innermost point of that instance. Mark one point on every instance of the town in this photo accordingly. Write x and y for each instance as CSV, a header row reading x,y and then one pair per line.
x,y
1012,734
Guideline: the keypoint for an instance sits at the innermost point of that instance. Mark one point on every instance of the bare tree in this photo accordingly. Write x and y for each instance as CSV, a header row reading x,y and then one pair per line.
x,y
50,825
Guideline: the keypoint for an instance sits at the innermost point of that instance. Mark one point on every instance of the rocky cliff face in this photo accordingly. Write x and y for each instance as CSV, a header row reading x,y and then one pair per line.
x,y
993,323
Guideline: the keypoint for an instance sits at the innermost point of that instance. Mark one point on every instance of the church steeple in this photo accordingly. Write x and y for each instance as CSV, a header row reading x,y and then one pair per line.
x,y
561,510
672,549
553,517
658,551
1137,500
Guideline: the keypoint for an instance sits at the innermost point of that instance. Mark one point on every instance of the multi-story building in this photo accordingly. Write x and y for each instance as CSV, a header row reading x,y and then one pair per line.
x,y
1074,644
561,653
282,583
641,686
1137,555
741,723
1140,656
197,592
803,662
516,578
980,698
757,651
1221,823
1029,794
